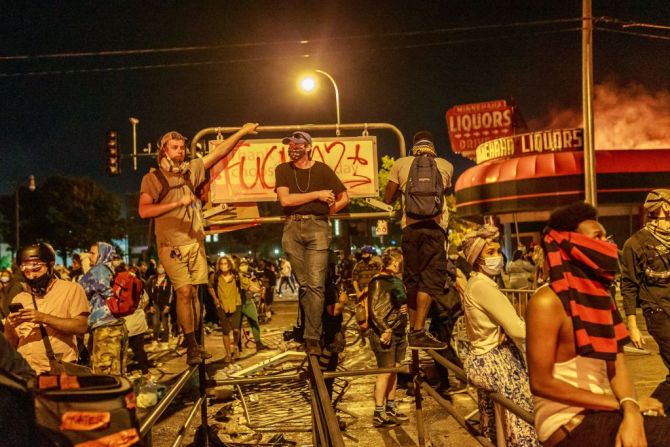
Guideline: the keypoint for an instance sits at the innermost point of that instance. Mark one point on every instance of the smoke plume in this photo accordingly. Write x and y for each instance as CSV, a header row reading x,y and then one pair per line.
x,y
625,117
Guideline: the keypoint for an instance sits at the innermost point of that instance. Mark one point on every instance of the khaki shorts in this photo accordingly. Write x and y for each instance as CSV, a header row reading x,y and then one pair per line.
x,y
184,265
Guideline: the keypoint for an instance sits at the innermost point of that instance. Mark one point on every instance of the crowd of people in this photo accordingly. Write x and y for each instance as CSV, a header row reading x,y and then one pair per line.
x,y
563,362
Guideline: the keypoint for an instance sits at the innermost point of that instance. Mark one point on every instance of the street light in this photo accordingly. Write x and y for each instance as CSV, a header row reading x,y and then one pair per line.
x,y
31,188
308,84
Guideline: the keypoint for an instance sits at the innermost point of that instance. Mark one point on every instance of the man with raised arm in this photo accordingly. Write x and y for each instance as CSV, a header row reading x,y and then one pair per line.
x,y
168,195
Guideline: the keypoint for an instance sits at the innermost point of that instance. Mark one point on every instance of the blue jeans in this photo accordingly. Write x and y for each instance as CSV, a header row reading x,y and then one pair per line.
x,y
306,243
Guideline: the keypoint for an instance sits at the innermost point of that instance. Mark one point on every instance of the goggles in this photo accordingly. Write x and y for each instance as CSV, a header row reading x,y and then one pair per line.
x,y
32,266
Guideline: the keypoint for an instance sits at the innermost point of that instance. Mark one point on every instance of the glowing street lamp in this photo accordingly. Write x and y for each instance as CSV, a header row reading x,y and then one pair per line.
x,y
308,84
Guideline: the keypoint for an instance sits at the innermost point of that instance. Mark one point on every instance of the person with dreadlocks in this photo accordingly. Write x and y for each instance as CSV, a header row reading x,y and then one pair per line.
x,y
424,242
575,337
168,195
494,363
645,276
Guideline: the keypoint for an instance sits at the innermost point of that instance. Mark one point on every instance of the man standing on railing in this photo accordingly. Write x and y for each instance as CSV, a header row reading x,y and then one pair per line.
x,y
309,191
423,179
168,194
645,266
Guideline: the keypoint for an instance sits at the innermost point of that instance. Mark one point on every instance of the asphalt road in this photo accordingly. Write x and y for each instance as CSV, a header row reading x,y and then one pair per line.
x,y
268,407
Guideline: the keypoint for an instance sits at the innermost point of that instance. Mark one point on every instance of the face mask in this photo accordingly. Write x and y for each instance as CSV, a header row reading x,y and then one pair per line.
x,y
176,168
493,265
39,285
160,270
296,153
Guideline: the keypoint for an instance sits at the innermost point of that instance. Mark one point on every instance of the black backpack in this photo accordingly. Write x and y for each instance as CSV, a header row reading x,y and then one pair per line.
x,y
424,193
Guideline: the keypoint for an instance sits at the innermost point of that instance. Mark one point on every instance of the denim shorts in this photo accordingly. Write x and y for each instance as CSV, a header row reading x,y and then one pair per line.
x,y
389,355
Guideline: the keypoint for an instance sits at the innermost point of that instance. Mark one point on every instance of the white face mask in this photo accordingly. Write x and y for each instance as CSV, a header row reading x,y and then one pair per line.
x,y
160,270
493,265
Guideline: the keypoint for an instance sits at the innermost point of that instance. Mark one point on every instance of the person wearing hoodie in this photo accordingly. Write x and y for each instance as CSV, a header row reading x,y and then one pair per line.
x,y
108,336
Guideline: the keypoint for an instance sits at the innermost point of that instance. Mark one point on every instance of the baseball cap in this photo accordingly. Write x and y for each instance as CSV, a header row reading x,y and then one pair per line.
x,y
298,137
367,249
171,135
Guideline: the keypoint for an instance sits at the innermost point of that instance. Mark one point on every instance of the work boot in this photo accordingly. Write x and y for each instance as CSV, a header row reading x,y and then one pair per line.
x,y
193,355
312,346
424,340
204,354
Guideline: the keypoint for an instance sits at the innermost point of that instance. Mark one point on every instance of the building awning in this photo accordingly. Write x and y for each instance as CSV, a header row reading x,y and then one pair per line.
x,y
545,181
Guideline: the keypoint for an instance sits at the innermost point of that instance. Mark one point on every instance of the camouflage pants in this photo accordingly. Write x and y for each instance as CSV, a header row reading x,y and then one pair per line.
x,y
109,346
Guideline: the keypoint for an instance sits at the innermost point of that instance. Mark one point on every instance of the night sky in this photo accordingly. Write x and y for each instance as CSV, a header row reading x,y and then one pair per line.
x,y
395,62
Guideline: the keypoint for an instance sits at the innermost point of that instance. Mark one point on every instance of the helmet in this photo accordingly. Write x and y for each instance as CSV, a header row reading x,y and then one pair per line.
x,y
40,251
367,249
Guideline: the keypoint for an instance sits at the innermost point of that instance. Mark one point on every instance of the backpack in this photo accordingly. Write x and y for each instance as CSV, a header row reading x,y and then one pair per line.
x,y
424,193
127,290
165,186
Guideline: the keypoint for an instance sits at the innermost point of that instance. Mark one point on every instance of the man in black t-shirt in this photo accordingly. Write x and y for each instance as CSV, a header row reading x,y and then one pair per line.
x,y
308,191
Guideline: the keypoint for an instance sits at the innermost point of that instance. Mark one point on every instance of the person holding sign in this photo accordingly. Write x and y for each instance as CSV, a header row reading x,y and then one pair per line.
x,y
308,191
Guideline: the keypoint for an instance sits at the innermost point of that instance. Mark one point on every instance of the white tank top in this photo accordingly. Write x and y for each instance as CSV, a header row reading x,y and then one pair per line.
x,y
581,372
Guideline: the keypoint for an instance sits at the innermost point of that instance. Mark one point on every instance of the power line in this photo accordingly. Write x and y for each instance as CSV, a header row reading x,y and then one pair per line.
x,y
143,51
632,33
267,58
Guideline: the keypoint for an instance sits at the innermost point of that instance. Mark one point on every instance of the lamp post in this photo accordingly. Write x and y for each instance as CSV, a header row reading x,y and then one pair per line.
x,y
134,122
31,188
308,84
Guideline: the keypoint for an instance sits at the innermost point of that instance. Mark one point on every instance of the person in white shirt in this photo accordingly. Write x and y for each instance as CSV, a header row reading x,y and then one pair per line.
x,y
494,363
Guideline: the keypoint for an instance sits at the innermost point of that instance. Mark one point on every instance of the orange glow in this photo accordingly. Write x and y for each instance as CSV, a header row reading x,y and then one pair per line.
x,y
625,117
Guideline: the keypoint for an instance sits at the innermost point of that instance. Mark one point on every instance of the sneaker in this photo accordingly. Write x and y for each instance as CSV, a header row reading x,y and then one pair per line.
x,y
381,421
261,347
227,359
193,356
312,346
396,415
424,340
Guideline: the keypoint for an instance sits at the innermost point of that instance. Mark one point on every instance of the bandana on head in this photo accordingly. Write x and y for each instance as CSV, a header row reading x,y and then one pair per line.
x,y
655,199
423,147
474,241
581,270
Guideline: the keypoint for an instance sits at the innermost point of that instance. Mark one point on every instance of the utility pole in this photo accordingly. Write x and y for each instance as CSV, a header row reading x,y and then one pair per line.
x,y
590,186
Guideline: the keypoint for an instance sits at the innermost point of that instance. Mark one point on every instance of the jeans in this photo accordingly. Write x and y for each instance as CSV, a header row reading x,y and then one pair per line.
x,y
658,325
160,323
250,312
306,243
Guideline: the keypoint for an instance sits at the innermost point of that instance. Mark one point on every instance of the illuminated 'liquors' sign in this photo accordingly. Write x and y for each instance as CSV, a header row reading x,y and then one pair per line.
x,y
247,173
473,124
556,140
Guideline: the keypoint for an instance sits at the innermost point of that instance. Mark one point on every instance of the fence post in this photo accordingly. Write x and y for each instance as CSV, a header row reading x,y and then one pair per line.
x,y
418,400
501,440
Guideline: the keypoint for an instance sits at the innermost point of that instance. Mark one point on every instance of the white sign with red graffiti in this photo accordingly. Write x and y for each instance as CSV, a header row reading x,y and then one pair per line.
x,y
247,173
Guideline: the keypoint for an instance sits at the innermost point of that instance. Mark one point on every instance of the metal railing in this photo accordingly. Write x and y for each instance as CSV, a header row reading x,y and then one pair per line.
x,y
148,422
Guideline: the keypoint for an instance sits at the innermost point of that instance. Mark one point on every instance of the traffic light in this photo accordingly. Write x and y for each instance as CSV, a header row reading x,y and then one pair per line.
x,y
113,155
